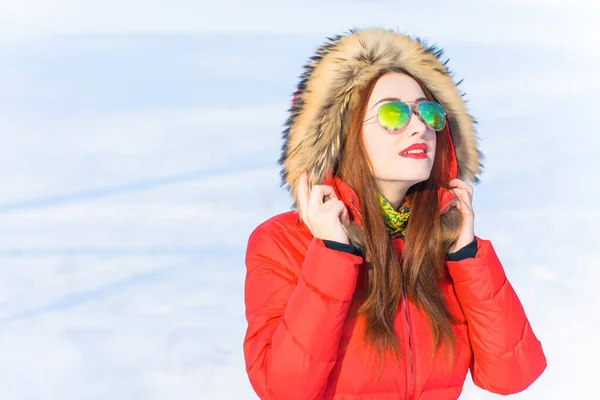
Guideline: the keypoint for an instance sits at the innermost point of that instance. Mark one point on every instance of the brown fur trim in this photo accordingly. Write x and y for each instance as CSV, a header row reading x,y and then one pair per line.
x,y
328,92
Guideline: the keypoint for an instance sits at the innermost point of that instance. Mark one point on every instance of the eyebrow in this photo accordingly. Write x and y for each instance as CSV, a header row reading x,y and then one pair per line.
x,y
397,99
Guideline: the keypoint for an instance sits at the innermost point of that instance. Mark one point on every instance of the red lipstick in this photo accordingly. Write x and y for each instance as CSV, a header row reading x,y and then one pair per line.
x,y
417,150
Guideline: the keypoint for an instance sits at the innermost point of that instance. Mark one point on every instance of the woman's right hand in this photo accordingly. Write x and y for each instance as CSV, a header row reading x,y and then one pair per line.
x,y
322,211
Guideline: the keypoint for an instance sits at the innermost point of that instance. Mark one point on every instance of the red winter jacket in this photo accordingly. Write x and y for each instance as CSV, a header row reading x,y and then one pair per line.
x,y
301,344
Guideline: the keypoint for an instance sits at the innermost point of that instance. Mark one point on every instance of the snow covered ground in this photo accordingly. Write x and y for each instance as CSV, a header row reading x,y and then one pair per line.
x,y
139,147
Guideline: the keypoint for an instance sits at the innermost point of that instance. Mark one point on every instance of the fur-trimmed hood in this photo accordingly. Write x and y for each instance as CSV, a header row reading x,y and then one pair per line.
x,y
328,93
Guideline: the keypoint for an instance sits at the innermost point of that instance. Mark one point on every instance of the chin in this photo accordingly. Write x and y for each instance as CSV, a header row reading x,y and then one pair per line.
x,y
411,173
404,173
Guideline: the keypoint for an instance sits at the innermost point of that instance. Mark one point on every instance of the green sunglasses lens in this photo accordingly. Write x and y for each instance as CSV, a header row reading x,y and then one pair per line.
x,y
433,114
394,115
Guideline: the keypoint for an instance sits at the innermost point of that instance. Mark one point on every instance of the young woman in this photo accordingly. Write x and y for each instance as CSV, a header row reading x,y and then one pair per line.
x,y
376,287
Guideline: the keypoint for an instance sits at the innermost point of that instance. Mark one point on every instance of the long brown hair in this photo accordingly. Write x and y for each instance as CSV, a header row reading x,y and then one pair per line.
x,y
422,266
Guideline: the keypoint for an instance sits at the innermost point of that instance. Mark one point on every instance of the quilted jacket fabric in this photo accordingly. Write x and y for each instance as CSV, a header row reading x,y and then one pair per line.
x,y
301,344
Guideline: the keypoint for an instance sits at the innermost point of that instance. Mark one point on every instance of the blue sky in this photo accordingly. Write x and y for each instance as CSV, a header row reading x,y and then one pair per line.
x,y
139,150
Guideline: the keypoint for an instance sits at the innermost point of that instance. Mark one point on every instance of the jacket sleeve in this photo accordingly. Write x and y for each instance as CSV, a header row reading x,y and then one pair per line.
x,y
295,318
507,356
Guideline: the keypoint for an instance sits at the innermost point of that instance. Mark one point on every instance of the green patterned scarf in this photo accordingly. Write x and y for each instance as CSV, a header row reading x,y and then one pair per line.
x,y
396,221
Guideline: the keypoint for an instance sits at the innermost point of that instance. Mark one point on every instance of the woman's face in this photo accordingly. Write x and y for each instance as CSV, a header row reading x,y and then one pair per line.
x,y
385,148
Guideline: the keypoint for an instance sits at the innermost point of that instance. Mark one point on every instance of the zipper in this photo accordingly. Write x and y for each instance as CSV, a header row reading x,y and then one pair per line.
x,y
410,352
406,320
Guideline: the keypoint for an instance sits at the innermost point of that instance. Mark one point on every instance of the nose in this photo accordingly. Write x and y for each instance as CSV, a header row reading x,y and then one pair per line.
x,y
416,127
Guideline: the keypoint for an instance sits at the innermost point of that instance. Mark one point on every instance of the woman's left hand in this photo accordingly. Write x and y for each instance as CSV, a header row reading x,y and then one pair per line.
x,y
464,202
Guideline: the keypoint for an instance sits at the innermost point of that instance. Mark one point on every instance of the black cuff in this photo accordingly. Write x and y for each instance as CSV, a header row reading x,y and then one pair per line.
x,y
469,251
347,248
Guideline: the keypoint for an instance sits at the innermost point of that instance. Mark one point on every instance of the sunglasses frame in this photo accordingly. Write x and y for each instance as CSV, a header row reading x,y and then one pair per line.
x,y
413,106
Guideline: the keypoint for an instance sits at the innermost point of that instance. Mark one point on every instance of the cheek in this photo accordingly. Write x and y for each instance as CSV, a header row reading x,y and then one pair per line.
x,y
375,144
432,141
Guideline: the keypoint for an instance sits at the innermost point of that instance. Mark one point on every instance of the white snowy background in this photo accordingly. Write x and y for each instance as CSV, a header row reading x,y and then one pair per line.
x,y
138,150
